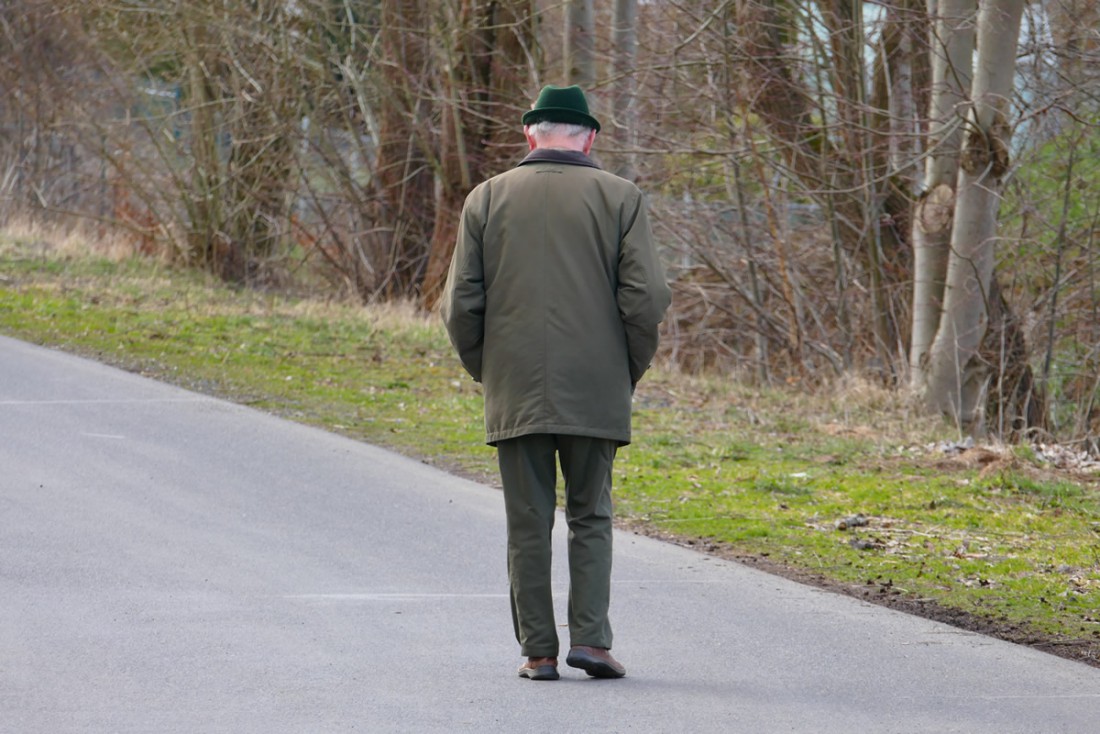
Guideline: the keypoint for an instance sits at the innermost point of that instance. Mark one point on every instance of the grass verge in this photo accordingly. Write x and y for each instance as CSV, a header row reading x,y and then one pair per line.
x,y
847,490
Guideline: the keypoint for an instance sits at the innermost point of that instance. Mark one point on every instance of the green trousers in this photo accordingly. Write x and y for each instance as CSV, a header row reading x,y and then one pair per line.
x,y
528,472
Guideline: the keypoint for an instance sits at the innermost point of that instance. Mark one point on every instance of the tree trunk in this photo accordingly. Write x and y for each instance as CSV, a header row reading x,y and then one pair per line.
x,y
902,78
952,49
957,376
202,198
580,44
624,45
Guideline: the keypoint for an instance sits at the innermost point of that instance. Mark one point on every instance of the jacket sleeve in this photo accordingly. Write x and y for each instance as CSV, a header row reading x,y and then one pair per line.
x,y
643,293
463,303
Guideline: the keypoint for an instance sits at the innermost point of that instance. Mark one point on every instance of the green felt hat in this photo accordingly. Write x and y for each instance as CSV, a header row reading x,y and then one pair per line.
x,y
561,104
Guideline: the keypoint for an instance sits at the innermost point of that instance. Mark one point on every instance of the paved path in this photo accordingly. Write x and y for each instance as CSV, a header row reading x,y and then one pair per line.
x,y
173,563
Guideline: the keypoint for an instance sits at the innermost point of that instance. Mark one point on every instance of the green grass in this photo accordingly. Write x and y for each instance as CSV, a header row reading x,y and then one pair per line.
x,y
735,469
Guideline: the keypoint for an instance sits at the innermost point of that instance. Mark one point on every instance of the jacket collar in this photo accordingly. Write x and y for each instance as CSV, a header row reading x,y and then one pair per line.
x,y
553,155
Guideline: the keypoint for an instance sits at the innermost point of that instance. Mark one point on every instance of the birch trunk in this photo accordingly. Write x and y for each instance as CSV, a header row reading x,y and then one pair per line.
x,y
957,376
952,48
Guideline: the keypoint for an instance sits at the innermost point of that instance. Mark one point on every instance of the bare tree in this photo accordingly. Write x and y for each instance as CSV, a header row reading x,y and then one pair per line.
x,y
957,376
404,172
48,168
487,51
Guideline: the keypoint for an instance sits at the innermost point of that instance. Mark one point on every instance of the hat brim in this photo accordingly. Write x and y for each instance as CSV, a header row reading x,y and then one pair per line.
x,y
560,114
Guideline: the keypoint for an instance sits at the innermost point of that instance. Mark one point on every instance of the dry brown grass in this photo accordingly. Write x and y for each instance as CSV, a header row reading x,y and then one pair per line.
x,y
72,240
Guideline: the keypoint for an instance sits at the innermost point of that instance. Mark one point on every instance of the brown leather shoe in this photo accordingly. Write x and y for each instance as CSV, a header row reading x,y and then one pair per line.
x,y
596,661
539,669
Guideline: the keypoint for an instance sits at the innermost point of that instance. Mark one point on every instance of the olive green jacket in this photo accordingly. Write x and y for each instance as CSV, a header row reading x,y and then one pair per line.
x,y
554,297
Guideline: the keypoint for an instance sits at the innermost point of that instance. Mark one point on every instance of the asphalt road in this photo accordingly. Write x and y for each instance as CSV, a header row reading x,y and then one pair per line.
x,y
173,563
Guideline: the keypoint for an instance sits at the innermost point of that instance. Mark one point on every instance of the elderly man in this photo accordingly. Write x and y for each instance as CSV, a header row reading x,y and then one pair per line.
x,y
553,301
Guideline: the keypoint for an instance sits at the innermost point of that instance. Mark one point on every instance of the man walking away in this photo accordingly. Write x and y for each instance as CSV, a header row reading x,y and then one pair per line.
x,y
553,302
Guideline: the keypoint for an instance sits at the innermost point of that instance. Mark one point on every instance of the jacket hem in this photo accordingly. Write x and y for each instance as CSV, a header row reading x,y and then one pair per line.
x,y
492,438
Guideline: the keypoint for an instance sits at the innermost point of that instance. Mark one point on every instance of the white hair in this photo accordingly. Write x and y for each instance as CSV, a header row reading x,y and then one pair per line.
x,y
548,129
